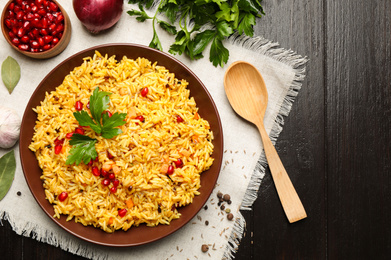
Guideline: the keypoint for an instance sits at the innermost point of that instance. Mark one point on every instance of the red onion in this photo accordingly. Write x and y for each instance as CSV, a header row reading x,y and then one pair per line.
x,y
98,15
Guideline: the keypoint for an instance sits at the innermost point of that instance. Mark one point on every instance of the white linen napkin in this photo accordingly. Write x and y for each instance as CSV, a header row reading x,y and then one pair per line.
x,y
243,162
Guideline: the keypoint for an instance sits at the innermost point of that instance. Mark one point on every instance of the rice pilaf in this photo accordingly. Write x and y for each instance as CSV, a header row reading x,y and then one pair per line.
x,y
140,156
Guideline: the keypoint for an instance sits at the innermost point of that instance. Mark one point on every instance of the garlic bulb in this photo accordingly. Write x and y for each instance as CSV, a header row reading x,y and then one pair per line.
x,y
9,127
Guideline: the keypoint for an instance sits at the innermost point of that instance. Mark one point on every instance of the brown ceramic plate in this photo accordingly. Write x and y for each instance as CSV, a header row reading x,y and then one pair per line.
x,y
135,235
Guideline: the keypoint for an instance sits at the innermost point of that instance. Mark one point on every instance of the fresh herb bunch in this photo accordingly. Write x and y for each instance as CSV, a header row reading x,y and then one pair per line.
x,y
83,147
201,22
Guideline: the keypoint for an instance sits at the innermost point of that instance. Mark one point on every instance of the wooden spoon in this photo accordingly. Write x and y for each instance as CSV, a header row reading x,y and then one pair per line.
x,y
247,93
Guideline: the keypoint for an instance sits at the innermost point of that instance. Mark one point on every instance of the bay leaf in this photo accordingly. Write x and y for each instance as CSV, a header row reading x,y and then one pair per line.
x,y
7,172
10,73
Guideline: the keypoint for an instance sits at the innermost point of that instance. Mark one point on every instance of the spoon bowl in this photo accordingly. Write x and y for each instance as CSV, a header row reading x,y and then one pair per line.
x,y
247,94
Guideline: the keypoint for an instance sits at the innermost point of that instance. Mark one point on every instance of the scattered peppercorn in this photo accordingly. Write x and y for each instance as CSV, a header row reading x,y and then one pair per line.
x,y
206,222
206,207
229,202
227,210
222,207
219,195
226,197
18,193
230,216
204,248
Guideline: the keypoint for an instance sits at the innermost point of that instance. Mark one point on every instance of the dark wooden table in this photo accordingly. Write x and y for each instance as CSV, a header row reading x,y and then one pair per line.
x,y
335,144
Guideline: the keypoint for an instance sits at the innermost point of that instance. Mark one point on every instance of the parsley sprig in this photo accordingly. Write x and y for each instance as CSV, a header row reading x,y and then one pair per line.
x,y
83,147
201,22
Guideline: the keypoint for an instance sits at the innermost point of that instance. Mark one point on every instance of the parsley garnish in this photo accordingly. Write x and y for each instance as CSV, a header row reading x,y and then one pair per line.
x,y
83,147
201,22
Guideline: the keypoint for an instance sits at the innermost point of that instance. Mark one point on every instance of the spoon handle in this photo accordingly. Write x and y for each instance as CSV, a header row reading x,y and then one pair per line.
x,y
290,201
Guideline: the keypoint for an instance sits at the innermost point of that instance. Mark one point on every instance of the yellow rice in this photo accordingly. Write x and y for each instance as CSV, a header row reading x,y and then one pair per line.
x,y
140,152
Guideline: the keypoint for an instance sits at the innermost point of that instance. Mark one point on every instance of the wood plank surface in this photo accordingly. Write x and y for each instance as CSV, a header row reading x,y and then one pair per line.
x,y
335,144
358,129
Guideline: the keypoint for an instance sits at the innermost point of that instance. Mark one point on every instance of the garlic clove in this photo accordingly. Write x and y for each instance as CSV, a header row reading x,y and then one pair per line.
x,y
9,127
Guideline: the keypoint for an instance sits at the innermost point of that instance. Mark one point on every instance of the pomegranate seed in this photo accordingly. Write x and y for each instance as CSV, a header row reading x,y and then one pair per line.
x,y
41,41
9,14
52,27
109,155
17,8
109,113
69,135
144,92
11,6
35,32
57,148
170,170
44,31
88,104
122,212
90,163
34,44
45,23
113,189
47,39
30,35
141,118
79,131
60,18
19,15
116,183
58,141
105,182
179,163
111,176
179,119
50,16
34,8
23,47
21,32
95,170
60,28
78,106
26,7
8,23
25,39
47,47
35,22
15,30
53,7
103,172
41,12
26,25
38,2
15,41
63,196
30,17
11,34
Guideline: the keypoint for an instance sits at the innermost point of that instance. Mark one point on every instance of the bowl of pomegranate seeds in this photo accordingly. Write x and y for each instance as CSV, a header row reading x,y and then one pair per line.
x,y
39,29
